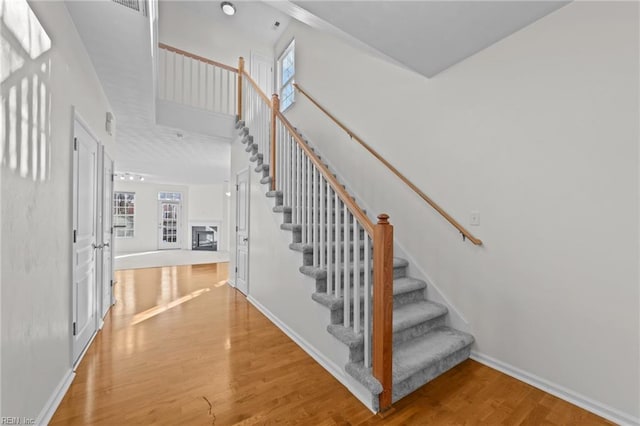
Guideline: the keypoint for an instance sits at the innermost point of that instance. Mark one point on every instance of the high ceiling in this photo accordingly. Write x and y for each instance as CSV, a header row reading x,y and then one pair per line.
x,y
254,19
121,54
425,36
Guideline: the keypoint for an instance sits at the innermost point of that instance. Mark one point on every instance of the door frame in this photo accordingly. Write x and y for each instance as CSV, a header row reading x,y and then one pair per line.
x,y
259,57
248,198
179,227
77,118
106,212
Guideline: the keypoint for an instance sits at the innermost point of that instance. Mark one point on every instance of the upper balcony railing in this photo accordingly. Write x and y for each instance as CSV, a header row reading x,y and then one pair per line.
x,y
195,81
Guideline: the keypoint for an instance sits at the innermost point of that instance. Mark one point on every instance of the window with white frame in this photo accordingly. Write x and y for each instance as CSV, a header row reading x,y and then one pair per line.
x,y
124,211
286,72
170,196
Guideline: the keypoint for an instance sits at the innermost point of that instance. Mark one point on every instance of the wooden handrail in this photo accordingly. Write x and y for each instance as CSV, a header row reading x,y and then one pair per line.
x,y
264,97
196,57
366,223
451,220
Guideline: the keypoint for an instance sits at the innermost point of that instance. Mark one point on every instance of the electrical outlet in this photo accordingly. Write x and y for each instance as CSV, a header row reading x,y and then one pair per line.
x,y
474,218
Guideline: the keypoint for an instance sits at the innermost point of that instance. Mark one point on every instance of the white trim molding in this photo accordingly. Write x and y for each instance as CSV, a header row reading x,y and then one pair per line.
x,y
561,392
327,364
54,400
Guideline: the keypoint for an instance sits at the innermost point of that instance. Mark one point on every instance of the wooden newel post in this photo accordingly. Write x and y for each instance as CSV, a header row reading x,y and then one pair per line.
x,y
275,107
240,75
383,308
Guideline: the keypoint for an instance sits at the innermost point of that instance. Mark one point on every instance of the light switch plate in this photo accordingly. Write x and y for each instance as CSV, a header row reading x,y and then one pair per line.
x,y
474,218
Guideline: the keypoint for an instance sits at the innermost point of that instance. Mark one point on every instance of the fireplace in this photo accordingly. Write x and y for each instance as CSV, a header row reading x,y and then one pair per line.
x,y
204,238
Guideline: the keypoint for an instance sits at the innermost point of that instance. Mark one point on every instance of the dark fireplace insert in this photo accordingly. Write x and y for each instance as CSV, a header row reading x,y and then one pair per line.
x,y
204,238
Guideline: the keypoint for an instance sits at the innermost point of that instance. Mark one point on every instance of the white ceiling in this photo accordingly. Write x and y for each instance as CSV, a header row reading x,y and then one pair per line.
x,y
118,42
425,36
254,19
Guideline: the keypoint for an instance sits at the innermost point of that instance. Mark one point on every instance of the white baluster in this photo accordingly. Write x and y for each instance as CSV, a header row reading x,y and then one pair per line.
x,y
298,217
316,221
329,238
356,276
303,198
309,205
292,160
338,239
347,277
323,218
367,302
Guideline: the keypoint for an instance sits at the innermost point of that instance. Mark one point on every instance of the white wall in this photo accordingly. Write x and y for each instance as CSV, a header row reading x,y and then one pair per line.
x,y
539,133
208,203
146,232
199,203
36,220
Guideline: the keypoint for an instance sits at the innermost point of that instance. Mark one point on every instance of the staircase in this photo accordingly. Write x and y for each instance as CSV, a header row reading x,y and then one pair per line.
x,y
423,346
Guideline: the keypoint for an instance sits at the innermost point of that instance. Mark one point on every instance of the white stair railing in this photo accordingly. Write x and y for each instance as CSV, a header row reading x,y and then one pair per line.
x,y
257,115
195,81
333,225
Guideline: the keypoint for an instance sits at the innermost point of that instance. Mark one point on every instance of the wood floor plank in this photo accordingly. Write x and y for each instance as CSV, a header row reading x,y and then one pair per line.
x,y
182,348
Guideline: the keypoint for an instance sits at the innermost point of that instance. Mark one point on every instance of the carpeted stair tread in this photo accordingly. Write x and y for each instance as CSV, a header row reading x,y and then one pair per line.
x,y
414,356
404,317
418,354
266,179
239,124
319,273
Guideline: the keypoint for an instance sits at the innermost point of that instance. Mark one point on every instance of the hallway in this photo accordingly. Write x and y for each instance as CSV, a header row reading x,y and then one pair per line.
x,y
182,347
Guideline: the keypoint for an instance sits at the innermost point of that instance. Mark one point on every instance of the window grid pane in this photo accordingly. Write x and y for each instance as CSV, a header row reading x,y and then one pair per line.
x,y
124,214
286,66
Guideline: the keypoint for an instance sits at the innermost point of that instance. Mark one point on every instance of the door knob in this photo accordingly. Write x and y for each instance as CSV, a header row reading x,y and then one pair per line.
x,y
245,239
106,245
99,246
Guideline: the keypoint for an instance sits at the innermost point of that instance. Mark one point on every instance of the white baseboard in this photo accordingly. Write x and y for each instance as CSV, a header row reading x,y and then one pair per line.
x,y
327,364
51,406
561,392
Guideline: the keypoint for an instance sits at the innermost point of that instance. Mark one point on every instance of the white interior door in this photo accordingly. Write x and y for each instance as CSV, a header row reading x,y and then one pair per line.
x,y
107,234
169,225
85,238
262,72
242,231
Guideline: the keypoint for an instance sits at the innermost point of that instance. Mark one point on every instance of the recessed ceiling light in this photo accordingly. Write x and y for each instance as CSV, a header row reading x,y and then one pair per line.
x,y
228,8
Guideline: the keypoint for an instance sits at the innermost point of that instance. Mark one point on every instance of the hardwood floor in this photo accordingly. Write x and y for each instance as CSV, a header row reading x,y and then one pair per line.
x,y
182,348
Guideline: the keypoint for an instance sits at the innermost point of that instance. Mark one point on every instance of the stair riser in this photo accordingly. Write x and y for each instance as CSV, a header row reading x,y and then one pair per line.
x,y
315,217
399,299
356,354
422,377
307,258
297,234
321,283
